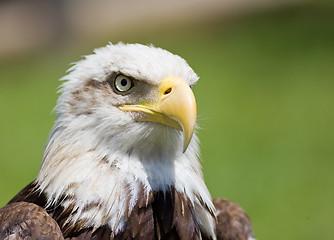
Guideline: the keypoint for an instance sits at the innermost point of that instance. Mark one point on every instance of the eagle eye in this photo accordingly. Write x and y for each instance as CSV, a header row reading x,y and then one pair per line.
x,y
123,84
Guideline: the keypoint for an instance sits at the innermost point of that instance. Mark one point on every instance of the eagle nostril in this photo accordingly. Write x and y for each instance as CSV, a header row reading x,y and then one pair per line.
x,y
168,91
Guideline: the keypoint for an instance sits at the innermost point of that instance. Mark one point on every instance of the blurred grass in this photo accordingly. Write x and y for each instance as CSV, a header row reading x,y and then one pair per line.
x,y
265,101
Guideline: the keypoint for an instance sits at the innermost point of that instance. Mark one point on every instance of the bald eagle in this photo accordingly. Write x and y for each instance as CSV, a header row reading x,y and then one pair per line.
x,y
121,161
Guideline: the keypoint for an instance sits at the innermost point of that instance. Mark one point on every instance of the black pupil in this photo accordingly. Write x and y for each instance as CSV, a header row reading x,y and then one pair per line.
x,y
124,82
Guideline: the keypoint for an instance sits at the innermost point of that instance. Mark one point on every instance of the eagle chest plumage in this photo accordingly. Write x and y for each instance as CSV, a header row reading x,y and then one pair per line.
x,y
164,215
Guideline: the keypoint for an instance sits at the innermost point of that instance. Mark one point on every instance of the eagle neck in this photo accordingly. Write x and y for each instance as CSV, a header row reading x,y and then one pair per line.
x,y
102,187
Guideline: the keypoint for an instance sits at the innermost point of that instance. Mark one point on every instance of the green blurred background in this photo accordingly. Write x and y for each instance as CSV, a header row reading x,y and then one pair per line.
x,y
265,102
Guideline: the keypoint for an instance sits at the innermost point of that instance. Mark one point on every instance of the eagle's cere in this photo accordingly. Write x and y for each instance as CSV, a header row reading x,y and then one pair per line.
x,y
121,161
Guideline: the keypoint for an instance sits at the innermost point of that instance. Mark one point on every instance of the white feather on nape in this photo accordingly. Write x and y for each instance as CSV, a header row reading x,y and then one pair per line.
x,y
97,154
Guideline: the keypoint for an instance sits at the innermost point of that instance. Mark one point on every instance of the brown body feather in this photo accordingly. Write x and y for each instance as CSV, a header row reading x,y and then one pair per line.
x,y
164,215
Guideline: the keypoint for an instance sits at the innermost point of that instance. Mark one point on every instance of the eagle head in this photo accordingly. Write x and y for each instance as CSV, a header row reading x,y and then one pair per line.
x,y
124,131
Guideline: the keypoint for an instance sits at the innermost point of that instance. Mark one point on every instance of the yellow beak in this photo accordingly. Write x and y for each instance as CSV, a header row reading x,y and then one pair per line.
x,y
175,107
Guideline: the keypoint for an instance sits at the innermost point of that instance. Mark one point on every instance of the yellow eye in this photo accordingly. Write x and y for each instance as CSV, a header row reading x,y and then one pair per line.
x,y
123,84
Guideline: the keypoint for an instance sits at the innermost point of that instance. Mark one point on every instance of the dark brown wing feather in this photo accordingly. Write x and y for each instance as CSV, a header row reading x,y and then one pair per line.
x,y
232,222
23,220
